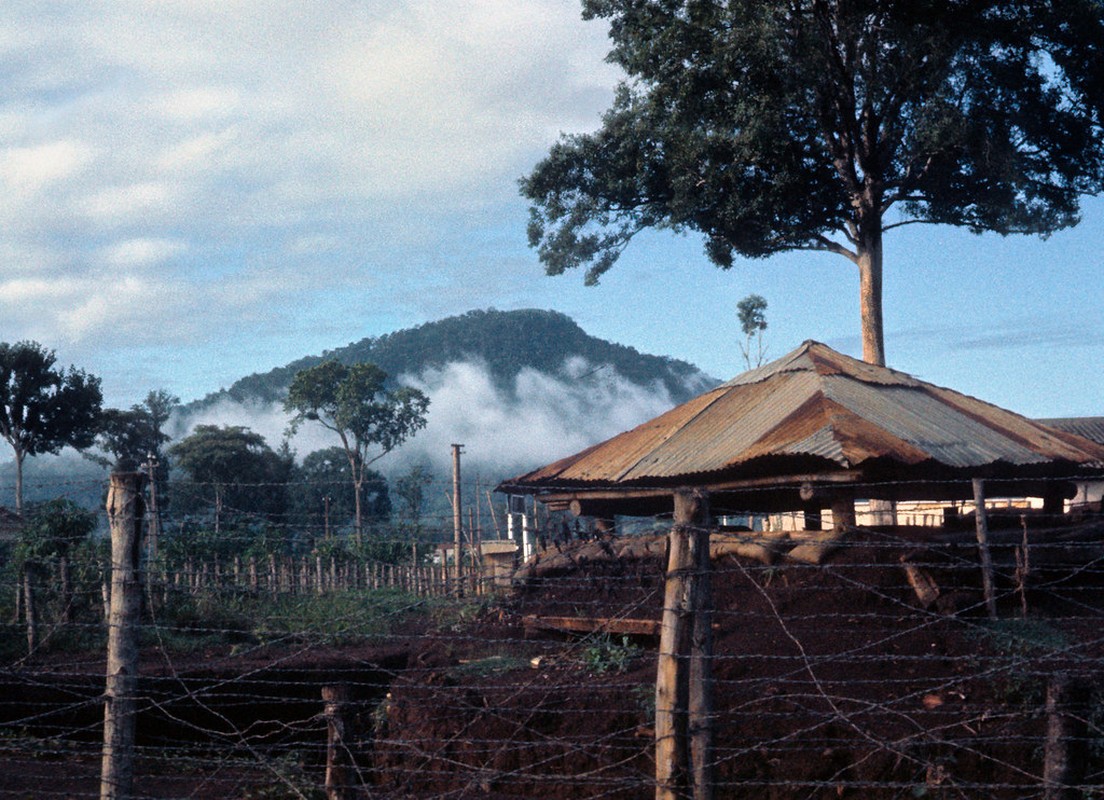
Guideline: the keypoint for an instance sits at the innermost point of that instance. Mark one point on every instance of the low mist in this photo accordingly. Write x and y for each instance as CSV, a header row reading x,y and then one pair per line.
x,y
541,417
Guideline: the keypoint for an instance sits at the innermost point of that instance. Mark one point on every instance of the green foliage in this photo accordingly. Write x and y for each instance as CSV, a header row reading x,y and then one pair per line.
x,y
55,528
1018,643
411,489
235,475
605,654
130,436
190,622
323,485
769,126
752,311
368,417
43,408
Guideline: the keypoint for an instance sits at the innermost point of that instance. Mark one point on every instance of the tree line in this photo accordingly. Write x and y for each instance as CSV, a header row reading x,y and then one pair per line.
x,y
225,475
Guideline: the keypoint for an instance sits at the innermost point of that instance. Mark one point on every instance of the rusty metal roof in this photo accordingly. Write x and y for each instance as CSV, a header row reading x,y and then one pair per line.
x,y
816,406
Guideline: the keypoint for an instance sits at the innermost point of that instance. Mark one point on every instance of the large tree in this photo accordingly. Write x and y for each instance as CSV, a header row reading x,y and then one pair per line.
x,y
369,417
44,408
821,124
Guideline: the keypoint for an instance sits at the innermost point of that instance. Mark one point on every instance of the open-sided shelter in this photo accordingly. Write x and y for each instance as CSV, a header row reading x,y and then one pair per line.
x,y
817,428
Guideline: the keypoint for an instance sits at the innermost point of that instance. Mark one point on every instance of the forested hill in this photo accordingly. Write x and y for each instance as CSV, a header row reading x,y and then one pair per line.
x,y
505,341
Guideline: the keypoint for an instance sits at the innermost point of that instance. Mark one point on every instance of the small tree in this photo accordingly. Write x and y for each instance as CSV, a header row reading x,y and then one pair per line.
x,y
752,311
42,408
53,531
354,402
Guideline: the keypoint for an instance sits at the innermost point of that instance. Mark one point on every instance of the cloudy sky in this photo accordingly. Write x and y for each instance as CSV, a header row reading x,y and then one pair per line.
x,y
193,190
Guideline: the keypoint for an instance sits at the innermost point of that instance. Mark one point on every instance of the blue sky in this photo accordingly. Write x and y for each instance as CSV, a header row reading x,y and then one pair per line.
x,y
196,190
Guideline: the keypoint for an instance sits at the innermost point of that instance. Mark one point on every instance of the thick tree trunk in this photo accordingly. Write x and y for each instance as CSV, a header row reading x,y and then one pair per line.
x,y
870,295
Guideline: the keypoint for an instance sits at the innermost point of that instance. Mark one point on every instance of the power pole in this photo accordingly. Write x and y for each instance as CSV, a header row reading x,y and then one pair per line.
x,y
457,515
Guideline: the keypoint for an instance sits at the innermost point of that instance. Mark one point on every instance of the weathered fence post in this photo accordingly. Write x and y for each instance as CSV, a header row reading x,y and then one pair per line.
x,y
124,514
983,547
339,767
701,656
1066,741
683,732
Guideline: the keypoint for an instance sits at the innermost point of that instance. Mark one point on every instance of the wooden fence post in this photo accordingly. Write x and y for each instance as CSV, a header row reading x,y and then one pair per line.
x,y
983,547
700,723
1067,737
683,732
124,513
339,766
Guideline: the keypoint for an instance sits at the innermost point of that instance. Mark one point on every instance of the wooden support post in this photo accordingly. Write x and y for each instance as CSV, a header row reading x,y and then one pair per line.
x,y
683,732
843,511
983,547
124,514
1054,503
340,772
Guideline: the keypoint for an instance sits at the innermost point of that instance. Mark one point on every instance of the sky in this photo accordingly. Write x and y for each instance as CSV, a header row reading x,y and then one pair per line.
x,y
196,190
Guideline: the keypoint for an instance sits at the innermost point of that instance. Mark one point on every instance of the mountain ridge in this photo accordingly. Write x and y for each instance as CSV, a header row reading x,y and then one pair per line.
x,y
506,341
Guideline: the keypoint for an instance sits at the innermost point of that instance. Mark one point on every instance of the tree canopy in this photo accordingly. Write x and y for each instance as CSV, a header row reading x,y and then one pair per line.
x,y
129,436
370,418
233,470
821,124
44,408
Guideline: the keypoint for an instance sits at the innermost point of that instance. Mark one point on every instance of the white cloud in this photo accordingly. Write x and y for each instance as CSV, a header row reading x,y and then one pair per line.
x,y
118,205
141,252
34,168
278,163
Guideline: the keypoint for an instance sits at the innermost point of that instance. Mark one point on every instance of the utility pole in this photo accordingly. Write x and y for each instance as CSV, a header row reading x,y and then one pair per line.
x,y
457,515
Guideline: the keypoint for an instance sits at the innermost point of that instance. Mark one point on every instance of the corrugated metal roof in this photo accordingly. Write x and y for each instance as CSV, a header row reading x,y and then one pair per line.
x,y
817,403
1091,428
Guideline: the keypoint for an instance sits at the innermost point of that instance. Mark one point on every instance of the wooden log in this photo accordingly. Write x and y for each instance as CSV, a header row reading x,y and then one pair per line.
x,y
615,625
922,583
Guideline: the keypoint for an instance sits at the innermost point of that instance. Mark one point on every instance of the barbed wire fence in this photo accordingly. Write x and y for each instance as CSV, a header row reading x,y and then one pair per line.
x,y
276,663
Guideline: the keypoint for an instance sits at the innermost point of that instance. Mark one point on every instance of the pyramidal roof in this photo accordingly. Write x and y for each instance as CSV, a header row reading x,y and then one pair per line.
x,y
816,406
